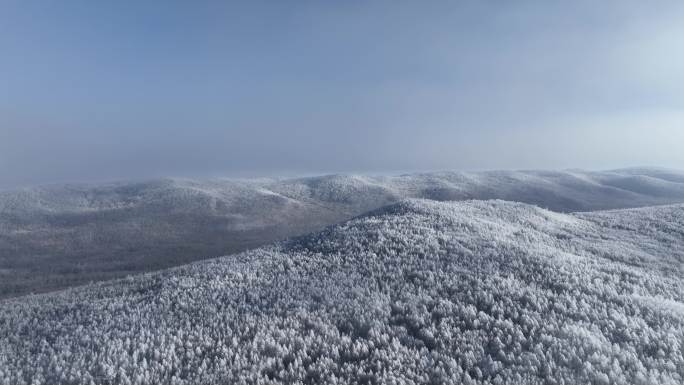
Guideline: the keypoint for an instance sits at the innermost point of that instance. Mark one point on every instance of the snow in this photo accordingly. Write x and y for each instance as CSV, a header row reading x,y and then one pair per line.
x,y
473,292
50,235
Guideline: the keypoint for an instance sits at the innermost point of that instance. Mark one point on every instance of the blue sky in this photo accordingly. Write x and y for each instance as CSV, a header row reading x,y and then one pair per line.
x,y
94,90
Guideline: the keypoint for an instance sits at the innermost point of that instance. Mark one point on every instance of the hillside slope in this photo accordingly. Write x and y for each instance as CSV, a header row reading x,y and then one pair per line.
x,y
418,292
62,236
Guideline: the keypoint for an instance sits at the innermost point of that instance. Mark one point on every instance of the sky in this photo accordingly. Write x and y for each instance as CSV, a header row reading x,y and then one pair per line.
x,y
103,90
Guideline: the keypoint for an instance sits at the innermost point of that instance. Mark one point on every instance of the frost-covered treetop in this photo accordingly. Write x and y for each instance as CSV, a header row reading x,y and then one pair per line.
x,y
476,292
54,237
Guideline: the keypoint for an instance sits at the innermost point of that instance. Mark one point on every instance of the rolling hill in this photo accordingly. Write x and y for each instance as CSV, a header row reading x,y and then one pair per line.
x,y
474,292
65,235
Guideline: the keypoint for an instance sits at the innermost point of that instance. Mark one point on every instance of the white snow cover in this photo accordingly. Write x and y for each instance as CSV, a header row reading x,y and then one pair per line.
x,y
475,292
67,235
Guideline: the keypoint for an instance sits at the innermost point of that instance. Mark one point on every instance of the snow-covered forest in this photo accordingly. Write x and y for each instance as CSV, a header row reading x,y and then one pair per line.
x,y
60,236
418,292
341,192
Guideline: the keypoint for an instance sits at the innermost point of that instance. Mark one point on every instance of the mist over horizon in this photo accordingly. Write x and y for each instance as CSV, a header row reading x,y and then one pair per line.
x,y
291,175
133,90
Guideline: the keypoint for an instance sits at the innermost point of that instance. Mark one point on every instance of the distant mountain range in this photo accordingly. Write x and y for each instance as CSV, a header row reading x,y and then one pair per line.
x,y
416,292
59,236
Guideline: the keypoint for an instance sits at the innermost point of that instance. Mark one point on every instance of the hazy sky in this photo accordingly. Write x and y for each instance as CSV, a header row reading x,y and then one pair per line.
x,y
93,90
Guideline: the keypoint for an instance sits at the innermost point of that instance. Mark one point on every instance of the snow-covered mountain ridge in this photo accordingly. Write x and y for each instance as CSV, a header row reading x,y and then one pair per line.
x,y
61,236
475,292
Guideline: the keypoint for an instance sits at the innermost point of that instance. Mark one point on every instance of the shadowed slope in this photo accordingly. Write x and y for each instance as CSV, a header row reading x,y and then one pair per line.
x,y
62,236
